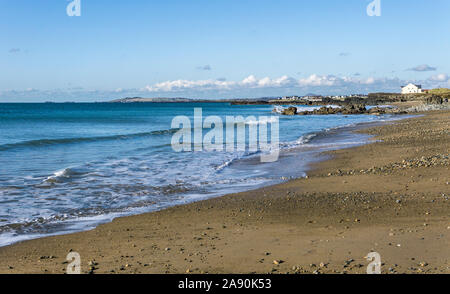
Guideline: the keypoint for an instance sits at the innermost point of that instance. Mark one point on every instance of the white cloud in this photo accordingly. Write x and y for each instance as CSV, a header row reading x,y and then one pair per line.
x,y
253,82
248,82
369,81
439,78
251,86
316,80
180,85
334,81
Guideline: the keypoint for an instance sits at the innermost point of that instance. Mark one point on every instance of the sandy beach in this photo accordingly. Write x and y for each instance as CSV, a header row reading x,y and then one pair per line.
x,y
390,197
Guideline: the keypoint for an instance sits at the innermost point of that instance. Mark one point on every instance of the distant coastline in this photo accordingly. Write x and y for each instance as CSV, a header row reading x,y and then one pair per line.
x,y
190,100
435,96
310,99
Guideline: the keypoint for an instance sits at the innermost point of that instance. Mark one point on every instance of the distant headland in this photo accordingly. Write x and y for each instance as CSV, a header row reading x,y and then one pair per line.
x,y
310,99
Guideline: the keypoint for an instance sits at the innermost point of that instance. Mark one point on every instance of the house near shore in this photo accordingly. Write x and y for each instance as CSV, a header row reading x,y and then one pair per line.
x,y
289,98
313,98
411,89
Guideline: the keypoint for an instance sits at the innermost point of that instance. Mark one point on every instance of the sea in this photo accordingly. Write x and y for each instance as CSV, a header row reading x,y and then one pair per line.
x,y
68,167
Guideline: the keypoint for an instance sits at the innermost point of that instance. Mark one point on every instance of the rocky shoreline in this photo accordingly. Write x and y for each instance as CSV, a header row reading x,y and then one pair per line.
x,y
431,103
346,110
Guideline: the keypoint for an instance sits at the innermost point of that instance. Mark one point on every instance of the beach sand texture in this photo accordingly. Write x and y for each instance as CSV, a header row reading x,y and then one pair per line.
x,y
391,197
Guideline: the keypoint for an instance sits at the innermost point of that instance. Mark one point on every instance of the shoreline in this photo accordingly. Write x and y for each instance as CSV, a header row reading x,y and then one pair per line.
x,y
288,227
327,139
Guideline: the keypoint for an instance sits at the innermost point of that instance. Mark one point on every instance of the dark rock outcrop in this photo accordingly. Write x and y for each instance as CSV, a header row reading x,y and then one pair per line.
x,y
434,99
346,110
349,109
354,109
377,111
290,111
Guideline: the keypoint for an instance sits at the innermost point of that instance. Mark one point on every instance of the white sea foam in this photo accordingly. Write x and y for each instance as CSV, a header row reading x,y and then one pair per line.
x,y
65,174
279,109
261,121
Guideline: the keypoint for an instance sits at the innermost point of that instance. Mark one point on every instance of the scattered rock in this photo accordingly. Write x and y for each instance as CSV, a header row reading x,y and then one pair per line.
x,y
277,262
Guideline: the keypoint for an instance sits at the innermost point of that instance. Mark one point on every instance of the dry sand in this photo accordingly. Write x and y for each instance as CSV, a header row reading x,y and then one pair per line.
x,y
390,197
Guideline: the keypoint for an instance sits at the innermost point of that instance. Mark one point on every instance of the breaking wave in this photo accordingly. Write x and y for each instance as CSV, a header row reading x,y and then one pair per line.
x,y
50,142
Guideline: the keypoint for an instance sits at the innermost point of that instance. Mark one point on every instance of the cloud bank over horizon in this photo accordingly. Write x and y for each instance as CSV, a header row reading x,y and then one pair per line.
x,y
249,87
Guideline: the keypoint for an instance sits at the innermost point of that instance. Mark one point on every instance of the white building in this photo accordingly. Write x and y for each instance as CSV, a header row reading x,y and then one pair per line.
x,y
411,89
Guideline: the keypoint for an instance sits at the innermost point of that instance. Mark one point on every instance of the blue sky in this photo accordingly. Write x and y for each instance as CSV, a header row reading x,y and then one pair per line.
x,y
218,48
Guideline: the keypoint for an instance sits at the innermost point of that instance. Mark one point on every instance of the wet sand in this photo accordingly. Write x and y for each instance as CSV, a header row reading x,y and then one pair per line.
x,y
391,197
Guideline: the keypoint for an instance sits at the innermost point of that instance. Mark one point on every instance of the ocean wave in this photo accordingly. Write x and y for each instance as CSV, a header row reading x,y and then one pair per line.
x,y
50,142
305,139
66,174
227,163
271,119
283,145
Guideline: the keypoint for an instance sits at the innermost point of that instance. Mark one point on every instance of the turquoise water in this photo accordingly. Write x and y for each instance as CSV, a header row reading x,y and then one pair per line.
x,y
68,167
